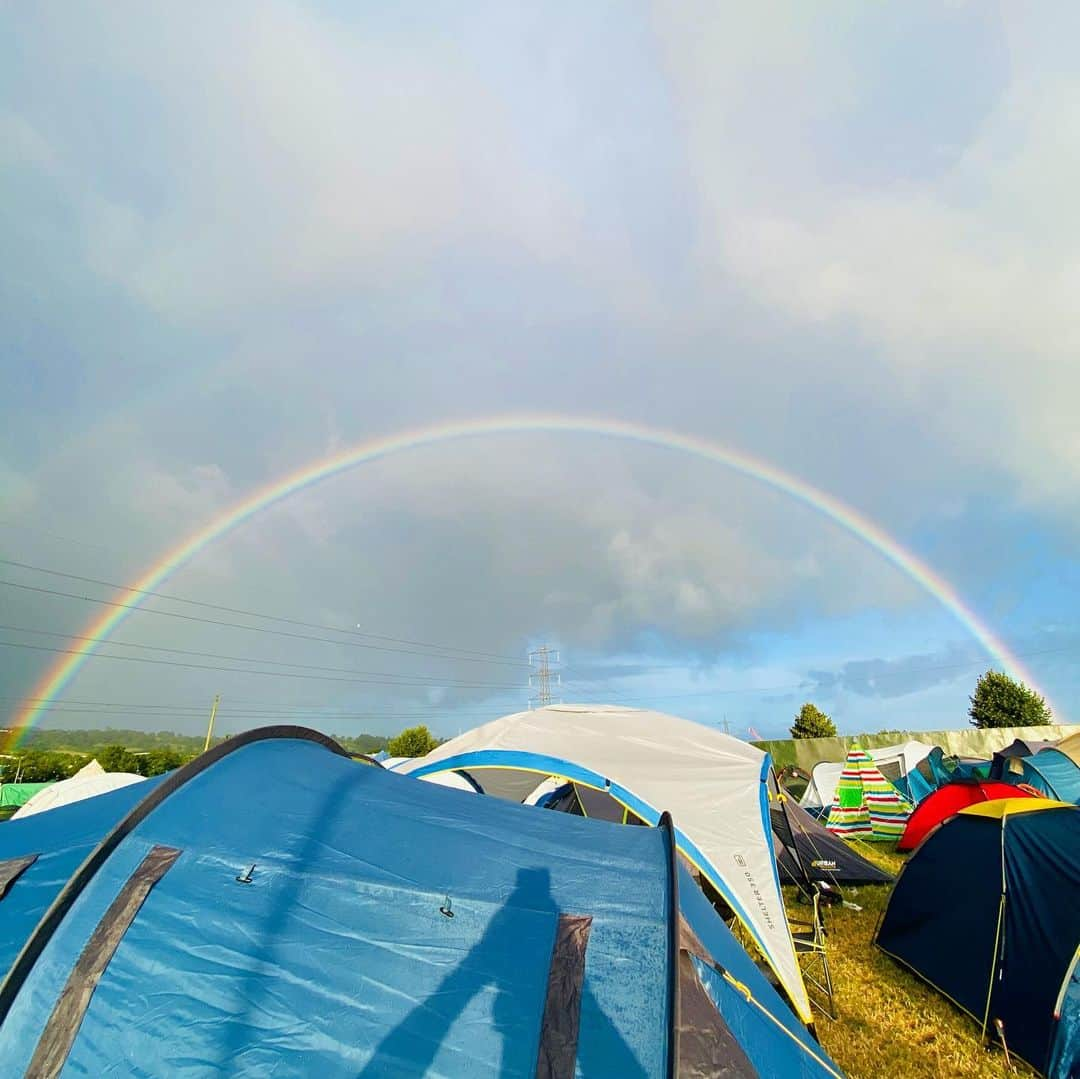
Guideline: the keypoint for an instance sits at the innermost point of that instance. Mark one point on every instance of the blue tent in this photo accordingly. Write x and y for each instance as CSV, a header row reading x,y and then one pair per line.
x,y
934,771
274,907
1018,747
1065,1054
1050,772
986,910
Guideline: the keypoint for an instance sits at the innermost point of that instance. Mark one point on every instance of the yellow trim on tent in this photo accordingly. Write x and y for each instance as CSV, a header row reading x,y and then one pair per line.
x,y
1007,807
744,991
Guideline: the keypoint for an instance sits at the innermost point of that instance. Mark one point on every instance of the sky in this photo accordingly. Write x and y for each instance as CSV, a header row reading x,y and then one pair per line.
x,y
841,242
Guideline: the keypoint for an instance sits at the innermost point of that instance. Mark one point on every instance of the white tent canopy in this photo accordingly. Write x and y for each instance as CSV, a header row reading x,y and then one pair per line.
x,y
892,761
440,779
713,785
87,782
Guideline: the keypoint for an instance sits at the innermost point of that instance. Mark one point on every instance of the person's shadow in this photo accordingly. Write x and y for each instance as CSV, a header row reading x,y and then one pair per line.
x,y
494,962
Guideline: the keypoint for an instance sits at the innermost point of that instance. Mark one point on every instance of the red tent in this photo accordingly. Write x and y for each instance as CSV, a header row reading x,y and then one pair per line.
x,y
948,800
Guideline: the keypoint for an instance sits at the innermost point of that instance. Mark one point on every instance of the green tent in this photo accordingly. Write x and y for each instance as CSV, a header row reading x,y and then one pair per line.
x,y
18,794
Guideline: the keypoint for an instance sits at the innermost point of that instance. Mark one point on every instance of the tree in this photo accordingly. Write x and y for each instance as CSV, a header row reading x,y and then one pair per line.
x,y
1000,701
117,759
40,766
812,722
159,761
412,742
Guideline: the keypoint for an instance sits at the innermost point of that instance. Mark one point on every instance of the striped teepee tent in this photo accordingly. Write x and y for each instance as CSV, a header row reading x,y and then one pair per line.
x,y
866,805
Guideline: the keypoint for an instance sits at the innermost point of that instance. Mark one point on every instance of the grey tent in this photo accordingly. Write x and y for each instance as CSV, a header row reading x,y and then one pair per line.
x,y
1019,747
806,852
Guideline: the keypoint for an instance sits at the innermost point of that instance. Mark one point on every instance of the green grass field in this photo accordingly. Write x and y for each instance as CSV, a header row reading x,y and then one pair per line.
x,y
890,1023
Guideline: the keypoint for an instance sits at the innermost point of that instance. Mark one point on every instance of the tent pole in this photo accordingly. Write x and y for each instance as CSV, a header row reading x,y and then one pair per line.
x,y
667,826
210,726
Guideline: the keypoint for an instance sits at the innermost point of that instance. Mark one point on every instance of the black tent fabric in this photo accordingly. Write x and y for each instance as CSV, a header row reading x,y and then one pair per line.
x,y
806,852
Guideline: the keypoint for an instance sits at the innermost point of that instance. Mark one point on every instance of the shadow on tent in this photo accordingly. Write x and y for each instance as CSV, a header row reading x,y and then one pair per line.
x,y
491,965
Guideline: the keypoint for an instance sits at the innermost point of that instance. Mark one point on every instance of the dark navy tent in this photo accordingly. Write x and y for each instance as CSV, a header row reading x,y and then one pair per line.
x,y
987,910
277,908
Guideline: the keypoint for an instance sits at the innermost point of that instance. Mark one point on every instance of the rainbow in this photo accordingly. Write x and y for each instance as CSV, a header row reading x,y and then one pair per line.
x,y
57,679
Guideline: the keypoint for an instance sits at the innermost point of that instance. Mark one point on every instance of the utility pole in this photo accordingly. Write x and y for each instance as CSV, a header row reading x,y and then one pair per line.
x,y
210,727
541,675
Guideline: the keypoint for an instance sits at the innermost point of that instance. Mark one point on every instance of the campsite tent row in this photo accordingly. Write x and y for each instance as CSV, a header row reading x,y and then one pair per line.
x,y
916,770
867,804
292,911
899,764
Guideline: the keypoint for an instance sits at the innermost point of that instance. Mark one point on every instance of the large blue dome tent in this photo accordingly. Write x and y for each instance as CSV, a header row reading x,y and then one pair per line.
x,y
275,906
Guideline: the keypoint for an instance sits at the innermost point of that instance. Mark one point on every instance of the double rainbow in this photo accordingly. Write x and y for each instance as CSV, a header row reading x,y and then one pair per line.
x,y
62,672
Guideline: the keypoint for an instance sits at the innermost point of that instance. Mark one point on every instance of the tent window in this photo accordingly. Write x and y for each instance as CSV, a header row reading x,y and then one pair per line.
x,y
891,770
67,1015
557,1058
13,868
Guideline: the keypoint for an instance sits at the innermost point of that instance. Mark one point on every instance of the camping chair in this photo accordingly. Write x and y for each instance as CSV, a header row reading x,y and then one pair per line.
x,y
809,940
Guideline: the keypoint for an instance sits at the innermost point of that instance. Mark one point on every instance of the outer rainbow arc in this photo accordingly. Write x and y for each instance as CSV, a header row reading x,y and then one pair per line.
x,y
61,674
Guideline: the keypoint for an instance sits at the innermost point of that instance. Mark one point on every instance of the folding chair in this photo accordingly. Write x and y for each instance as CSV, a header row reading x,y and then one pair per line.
x,y
809,940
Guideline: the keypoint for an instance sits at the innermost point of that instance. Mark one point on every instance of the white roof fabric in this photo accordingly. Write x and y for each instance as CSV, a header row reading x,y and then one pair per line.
x,y
826,774
441,779
88,781
713,785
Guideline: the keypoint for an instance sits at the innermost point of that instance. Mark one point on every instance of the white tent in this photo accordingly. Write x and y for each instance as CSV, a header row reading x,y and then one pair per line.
x,y
714,786
441,779
88,781
894,762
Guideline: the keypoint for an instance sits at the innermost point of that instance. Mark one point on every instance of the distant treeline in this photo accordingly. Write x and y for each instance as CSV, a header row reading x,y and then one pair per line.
x,y
58,754
87,741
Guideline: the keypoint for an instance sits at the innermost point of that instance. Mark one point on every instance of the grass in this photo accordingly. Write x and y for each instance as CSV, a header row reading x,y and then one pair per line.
x,y
889,1022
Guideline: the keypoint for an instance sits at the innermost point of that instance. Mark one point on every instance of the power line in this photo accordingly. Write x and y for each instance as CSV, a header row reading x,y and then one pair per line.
x,y
457,653
311,716
196,709
165,710
230,670
429,680
231,625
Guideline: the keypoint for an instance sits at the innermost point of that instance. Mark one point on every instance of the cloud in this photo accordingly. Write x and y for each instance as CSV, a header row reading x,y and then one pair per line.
x,y
890,678
958,274
240,240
